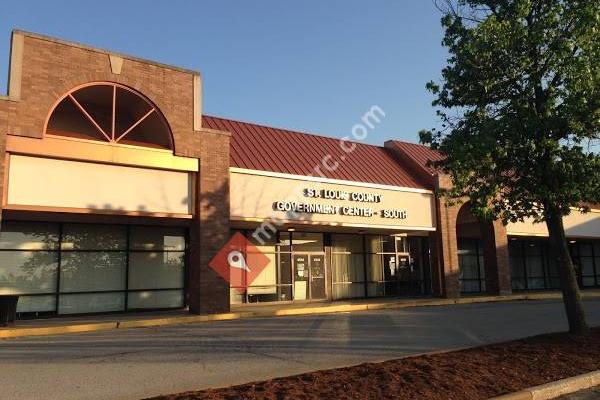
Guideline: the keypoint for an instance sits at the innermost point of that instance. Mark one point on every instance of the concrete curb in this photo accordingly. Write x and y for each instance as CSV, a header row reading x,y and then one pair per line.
x,y
6,333
555,389
15,332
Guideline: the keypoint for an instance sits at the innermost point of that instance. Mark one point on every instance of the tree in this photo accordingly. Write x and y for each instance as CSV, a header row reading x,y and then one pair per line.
x,y
519,103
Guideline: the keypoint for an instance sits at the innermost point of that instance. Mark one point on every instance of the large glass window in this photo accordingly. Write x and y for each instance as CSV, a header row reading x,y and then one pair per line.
x,y
534,267
29,264
517,265
359,266
388,265
347,266
531,265
83,268
471,266
274,283
29,236
586,257
156,267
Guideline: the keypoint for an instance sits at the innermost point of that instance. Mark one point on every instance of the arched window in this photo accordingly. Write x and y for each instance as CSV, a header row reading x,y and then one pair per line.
x,y
112,113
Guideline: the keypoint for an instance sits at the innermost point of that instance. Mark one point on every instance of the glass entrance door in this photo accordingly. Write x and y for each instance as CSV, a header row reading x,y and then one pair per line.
x,y
390,274
317,276
404,276
309,276
398,274
301,272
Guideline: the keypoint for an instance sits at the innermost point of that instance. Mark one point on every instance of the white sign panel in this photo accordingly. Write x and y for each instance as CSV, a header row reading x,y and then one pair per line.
x,y
46,182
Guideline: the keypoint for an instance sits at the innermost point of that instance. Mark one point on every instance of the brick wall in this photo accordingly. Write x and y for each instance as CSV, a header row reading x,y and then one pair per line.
x,y
496,258
4,109
49,68
447,247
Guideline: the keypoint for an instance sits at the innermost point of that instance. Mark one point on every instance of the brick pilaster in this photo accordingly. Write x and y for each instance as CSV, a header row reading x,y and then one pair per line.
x,y
496,259
447,244
208,291
4,110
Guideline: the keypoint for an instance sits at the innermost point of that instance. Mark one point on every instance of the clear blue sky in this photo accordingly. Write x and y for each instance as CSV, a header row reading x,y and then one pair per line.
x,y
310,65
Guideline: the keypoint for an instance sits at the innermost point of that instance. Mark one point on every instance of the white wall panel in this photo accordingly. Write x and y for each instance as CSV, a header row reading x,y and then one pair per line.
x,y
576,225
49,182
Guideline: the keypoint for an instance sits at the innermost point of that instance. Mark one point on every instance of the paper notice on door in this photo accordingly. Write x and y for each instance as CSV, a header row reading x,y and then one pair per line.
x,y
300,290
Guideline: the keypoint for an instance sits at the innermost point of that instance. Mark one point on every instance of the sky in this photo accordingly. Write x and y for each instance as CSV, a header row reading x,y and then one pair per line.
x,y
315,66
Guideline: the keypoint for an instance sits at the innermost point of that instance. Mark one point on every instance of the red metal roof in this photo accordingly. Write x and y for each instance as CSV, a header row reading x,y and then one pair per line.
x,y
265,148
420,155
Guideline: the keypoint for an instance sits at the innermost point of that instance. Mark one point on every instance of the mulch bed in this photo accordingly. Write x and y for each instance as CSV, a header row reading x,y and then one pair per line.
x,y
477,373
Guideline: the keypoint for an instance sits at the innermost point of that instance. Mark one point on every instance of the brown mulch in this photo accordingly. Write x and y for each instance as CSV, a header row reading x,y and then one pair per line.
x,y
477,373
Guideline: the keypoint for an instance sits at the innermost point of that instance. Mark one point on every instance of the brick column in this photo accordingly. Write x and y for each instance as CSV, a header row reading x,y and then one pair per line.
x,y
448,249
447,252
4,110
495,255
208,291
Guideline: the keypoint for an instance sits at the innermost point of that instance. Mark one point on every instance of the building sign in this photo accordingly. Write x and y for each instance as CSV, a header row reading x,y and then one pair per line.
x,y
35,182
343,195
258,197
332,209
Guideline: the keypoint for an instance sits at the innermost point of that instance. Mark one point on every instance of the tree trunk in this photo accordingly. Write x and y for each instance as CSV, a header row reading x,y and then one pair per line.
x,y
568,279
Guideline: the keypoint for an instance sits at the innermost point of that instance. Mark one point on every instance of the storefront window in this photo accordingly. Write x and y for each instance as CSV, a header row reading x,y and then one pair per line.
x,y
28,272
385,244
389,265
471,266
535,266
151,238
517,265
82,268
29,264
92,271
93,237
347,266
156,267
29,236
532,267
264,286
155,270
274,283
359,265
586,258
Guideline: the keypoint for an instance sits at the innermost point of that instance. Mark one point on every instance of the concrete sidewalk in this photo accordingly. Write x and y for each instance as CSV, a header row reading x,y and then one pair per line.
x,y
64,325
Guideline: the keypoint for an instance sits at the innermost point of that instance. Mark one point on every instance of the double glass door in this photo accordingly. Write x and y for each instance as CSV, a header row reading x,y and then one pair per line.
x,y
309,276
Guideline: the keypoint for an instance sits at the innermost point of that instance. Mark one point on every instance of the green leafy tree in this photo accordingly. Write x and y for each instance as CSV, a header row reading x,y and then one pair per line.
x,y
519,103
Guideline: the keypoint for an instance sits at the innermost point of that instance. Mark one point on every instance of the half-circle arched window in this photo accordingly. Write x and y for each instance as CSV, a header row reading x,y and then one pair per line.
x,y
112,113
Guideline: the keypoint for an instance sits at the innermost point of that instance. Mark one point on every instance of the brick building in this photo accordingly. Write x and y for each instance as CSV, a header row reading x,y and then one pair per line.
x,y
118,192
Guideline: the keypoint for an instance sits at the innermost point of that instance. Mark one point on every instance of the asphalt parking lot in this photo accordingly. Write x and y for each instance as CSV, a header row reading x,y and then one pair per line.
x,y
136,363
